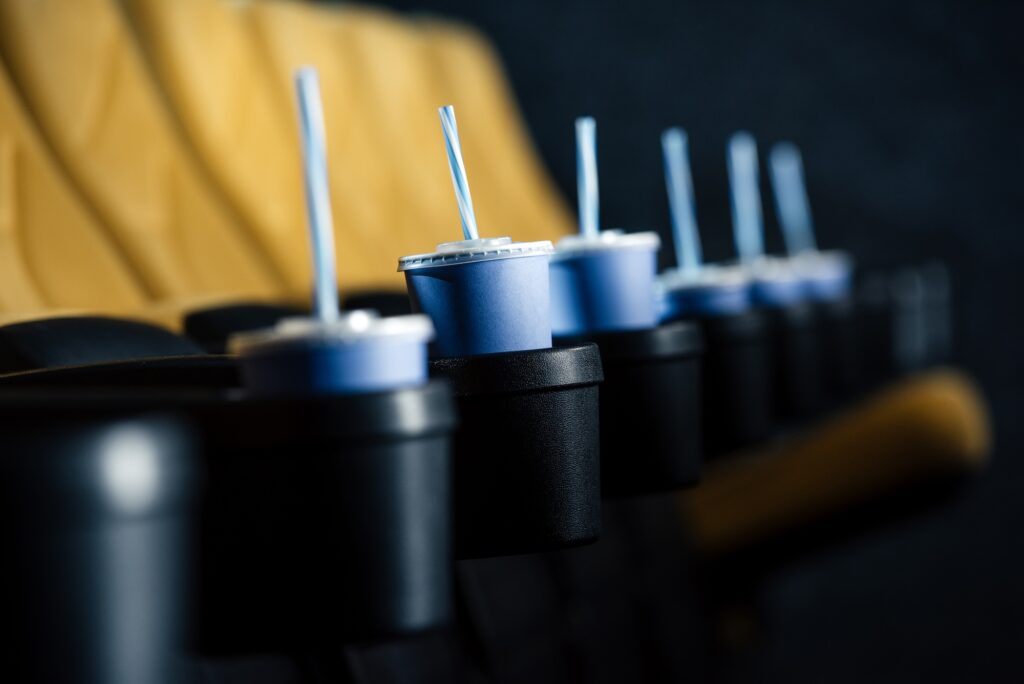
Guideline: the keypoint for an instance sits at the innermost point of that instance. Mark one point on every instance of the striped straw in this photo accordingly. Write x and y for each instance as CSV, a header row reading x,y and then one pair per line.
x,y
318,196
746,197
586,175
787,172
458,169
679,184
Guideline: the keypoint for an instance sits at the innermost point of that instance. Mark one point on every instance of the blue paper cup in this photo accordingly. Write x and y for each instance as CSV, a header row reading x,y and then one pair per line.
x,y
827,276
712,291
360,352
775,283
484,296
604,284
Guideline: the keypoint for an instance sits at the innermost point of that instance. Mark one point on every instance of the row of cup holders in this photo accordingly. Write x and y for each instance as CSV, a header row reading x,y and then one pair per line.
x,y
337,518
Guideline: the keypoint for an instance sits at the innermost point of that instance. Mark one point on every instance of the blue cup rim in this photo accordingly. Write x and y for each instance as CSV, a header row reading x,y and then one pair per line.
x,y
607,240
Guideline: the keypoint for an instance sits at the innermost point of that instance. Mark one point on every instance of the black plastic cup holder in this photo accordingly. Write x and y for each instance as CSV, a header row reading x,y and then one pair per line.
x,y
83,340
323,520
526,458
650,408
95,351
876,319
738,382
796,360
207,372
96,511
842,360
326,520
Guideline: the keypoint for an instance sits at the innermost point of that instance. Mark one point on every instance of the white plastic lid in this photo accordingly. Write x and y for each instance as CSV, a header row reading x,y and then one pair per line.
x,y
708,277
472,251
823,265
773,271
352,326
572,245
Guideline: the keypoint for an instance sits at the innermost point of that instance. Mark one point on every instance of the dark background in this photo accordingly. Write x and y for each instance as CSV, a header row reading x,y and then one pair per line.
x,y
909,117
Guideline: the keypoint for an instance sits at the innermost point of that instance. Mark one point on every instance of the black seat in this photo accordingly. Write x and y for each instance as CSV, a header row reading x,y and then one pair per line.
x,y
82,340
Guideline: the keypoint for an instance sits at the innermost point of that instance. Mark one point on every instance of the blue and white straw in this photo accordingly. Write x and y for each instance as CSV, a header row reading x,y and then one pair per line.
x,y
679,183
787,173
458,169
746,197
318,196
586,175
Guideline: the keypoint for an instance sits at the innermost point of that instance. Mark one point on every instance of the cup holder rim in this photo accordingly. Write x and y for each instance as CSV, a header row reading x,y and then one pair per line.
x,y
672,340
751,324
553,368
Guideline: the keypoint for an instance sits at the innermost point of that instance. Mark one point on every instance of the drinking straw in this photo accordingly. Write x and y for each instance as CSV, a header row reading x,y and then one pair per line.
x,y
318,197
787,173
586,175
458,169
679,184
746,197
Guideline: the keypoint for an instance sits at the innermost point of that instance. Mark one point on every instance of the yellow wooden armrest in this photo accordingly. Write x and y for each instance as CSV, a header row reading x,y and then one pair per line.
x,y
924,428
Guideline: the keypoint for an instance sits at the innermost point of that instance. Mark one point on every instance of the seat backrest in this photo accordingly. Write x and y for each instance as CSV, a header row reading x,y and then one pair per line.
x,y
382,79
79,71
54,253
525,202
209,63
382,114
175,122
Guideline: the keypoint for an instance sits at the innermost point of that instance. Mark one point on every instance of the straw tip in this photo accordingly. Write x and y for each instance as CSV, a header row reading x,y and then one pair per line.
x,y
785,150
306,73
741,138
584,122
673,136
742,146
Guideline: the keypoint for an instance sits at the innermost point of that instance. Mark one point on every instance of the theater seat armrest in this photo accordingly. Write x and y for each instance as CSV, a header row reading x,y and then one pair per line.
x,y
928,429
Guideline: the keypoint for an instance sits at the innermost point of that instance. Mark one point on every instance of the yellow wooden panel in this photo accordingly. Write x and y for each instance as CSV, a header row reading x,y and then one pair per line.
x,y
208,61
935,425
53,251
81,75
